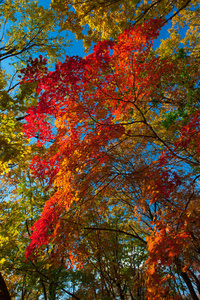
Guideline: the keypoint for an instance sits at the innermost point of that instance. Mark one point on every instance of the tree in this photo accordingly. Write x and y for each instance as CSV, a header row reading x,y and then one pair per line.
x,y
82,18
4,291
120,123
26,29
20,208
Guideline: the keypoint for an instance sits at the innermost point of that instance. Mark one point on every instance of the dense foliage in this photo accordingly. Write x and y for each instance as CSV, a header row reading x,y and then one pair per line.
x,y
104,198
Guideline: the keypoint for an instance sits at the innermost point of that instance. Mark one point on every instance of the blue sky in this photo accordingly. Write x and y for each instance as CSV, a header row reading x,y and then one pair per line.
x,y
77,47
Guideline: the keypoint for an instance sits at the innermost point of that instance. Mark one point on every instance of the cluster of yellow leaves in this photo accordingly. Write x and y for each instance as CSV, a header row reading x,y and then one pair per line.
x,y
82,18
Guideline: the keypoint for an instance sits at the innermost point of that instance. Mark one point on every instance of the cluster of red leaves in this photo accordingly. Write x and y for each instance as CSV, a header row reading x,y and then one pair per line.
x,y
45,226
88,98
66,93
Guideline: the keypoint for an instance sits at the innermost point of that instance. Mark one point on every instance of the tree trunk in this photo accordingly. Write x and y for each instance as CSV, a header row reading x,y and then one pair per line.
x,y
4,293
52,291
189,285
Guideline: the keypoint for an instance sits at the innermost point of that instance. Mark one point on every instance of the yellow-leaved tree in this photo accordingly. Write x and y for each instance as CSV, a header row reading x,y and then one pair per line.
x,y
98,20
26,29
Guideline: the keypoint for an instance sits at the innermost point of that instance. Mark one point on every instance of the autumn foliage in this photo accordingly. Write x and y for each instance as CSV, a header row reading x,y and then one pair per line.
x,y
121,132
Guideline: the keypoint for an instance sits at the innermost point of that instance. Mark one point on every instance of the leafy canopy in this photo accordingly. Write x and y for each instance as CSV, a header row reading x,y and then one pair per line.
x,y
116,146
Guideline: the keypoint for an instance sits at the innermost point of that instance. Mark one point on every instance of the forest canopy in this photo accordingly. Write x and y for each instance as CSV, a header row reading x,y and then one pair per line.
x,y
100,154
